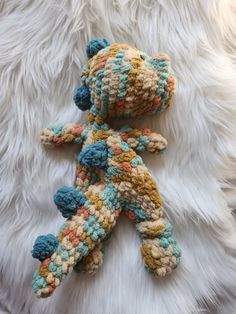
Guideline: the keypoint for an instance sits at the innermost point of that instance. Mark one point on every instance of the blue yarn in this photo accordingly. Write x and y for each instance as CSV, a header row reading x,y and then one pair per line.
x,y
82,98
44,246
95,45
94,155
68,200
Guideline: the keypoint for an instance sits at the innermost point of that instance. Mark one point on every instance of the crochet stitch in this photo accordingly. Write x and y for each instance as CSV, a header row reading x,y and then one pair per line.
x,y
68,200
44,246
117,81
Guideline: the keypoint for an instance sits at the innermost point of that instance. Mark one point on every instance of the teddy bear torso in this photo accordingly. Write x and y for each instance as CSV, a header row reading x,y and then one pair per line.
x,y
122,169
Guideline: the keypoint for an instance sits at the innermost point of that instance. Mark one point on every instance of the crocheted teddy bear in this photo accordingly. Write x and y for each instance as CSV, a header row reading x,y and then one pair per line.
x,y
118,81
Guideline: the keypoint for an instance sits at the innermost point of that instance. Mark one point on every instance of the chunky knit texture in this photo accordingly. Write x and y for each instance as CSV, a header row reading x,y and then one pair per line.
x,y
95,45
125,82
82,98
110,176
68,200
44,246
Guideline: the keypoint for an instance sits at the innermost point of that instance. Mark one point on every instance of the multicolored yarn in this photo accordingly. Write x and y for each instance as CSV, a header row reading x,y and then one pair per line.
x,y
124,82
68,200
118,81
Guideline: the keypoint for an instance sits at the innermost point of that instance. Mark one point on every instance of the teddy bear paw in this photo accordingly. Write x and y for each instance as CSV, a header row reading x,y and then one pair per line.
x,y
161,256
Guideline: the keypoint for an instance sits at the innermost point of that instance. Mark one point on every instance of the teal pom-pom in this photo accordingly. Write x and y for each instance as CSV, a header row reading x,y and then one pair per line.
x,y
82,98
94,155
68,200
44,246
96,45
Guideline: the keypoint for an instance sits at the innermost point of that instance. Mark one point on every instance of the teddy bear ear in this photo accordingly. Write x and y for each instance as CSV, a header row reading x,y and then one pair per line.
x,y
82,98
161,60
95,45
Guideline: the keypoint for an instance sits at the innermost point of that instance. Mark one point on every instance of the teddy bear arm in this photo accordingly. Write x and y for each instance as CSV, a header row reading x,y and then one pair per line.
x,y
57,135
143,139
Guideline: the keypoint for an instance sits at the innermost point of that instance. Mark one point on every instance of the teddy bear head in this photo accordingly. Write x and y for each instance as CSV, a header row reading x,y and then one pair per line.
x,y
122,81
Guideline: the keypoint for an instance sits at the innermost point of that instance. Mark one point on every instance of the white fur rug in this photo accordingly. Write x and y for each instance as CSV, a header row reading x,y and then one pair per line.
x,y
42,49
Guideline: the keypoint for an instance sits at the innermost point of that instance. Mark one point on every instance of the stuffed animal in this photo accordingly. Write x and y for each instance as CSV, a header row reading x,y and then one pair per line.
x,y
118,81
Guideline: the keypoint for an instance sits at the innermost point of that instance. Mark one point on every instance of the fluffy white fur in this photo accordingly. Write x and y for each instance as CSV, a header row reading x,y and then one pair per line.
x,y
42,49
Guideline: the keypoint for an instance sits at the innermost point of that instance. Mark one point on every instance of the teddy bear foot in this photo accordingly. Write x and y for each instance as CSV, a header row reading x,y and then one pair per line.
x,y
160,256
92,262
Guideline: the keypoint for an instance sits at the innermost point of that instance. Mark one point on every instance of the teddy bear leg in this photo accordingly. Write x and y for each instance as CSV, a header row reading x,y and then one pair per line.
x,y
92,262
159,249
83,230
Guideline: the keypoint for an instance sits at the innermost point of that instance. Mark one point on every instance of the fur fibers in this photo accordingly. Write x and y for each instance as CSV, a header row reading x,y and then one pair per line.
x,y
42,49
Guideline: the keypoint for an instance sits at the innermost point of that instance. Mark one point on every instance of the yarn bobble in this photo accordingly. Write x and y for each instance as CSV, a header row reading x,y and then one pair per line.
x,y
68,200
95,155
96,45
82,98
44,246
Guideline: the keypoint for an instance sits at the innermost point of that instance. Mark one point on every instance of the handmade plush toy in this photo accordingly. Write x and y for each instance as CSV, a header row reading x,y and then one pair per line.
x,y
117,81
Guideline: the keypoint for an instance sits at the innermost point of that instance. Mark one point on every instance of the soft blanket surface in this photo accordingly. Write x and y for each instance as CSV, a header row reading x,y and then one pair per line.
x,y
42,49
